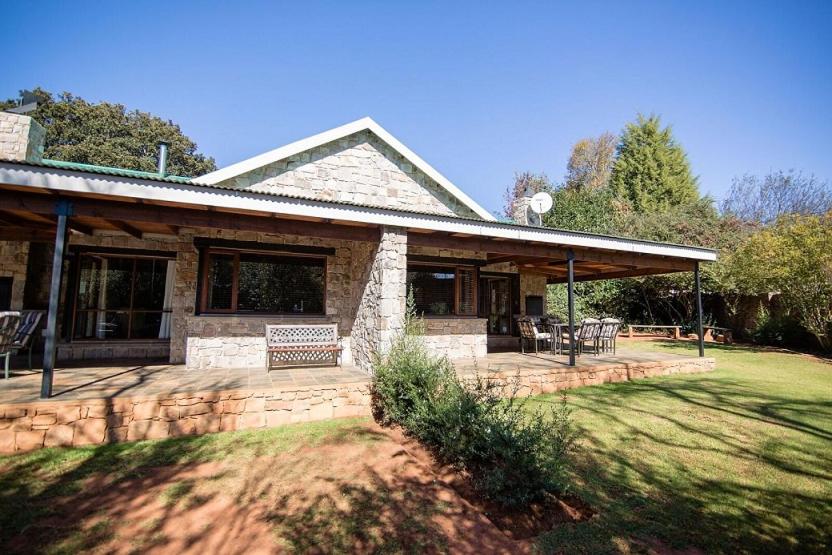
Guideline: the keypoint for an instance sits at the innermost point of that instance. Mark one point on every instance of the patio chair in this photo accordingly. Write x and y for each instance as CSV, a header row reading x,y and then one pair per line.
x,y
608,333
24,337
587,333
530,333
8,327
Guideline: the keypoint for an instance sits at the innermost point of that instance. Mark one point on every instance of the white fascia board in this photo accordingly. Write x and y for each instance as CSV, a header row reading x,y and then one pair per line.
x,y
364,124
69,181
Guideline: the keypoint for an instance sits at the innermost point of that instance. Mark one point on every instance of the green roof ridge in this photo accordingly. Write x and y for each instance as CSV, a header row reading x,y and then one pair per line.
x,y
110,169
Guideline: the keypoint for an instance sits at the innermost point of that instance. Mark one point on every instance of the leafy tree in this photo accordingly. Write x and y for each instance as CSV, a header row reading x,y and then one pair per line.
x,y
109,135
584,209
591,161
651,170
763,200
793,257
526,183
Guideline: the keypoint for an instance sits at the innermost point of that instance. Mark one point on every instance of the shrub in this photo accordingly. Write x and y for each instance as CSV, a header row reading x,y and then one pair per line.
x,y
511,456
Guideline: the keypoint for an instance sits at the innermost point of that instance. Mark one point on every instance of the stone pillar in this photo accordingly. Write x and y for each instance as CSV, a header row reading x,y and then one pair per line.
x,y
184,295
380,314
21,138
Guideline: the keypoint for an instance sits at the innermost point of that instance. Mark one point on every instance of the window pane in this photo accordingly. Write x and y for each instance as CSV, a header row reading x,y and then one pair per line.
x,y
466,291
98,324
279,284
118,280
150,283
89,282
146,325
433,289
220,281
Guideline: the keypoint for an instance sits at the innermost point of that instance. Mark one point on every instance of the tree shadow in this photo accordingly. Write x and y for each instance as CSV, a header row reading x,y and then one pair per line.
x,y
649,482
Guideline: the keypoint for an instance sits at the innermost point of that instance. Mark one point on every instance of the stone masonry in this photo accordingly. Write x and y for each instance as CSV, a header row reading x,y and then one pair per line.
x,y
360,169
13,257
24,427
21,138
383,298
457,337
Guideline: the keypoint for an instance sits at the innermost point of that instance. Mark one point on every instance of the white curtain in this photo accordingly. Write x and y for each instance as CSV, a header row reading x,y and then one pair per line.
x,y
101,316
164,328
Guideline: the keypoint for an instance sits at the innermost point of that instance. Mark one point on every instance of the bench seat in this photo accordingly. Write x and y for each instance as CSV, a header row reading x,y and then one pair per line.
x,y
293,344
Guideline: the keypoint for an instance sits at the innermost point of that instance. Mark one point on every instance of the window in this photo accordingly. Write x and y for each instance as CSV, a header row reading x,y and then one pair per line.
x,y
119,297
443,290
242,282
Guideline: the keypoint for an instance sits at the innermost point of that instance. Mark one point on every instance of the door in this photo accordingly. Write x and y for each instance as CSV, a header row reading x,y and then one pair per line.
x,y
495,304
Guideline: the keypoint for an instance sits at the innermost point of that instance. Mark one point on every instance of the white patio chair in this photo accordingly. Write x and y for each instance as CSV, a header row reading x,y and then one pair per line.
x,y
529,332
24,337
608,334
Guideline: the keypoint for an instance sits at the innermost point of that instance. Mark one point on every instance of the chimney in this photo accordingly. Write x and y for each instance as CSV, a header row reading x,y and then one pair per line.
x,y
21,138
521,211
162,165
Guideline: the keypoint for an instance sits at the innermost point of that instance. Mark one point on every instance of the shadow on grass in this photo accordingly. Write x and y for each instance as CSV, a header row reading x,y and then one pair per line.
x,y
39,490
707,462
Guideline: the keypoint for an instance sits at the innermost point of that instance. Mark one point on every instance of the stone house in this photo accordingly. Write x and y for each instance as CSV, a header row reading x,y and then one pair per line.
x,y
334,228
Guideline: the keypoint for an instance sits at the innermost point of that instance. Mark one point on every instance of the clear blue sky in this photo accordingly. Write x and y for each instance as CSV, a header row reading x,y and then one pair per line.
x,y
479,90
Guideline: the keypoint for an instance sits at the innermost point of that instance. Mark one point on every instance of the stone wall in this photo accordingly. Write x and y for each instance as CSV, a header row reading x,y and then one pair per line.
x,y
382,284
21,138
549,380
13,257
24,427
361,169
532,284
457,337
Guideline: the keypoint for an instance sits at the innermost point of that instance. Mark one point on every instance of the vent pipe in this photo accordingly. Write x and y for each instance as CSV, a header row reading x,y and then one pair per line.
x,y
163,158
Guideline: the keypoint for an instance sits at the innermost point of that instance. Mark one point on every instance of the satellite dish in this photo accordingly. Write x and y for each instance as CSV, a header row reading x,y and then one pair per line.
x,y
541,203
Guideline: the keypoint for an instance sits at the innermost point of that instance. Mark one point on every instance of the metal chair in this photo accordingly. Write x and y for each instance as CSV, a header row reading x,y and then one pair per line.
x,y
608,334
586,334
529,332
24,338
9,321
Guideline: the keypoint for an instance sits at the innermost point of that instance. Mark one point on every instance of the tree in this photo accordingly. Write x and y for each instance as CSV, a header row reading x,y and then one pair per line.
x,y
585,209
764,200
793,257
526,183
109,135
651,170
590,164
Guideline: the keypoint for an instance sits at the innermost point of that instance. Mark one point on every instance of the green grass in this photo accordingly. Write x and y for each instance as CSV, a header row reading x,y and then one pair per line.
x,y
737,460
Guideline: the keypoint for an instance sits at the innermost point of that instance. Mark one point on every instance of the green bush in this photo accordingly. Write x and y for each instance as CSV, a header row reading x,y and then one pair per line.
x,y
511,456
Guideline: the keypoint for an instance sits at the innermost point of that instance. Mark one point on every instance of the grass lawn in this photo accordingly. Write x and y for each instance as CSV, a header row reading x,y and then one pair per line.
x,y
738,460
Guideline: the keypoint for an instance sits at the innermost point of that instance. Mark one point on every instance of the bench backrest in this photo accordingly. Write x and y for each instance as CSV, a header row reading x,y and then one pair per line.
x,y
29,321
287,335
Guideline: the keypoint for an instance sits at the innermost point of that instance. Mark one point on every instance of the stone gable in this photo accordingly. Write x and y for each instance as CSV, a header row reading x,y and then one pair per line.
x,y
361,169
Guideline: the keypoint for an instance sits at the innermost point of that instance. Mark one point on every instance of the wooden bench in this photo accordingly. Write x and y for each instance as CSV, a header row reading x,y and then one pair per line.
x,y
675,332
292,344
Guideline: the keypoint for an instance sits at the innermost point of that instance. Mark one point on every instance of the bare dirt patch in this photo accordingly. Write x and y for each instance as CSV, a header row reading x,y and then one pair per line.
x,y
339,496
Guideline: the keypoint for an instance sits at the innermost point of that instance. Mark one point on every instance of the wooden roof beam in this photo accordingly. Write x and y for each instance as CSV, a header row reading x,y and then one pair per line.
x,y
126,228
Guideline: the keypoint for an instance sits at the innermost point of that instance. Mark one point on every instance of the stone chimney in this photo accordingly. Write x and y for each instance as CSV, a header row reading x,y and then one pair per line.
x,y
521,211
21,138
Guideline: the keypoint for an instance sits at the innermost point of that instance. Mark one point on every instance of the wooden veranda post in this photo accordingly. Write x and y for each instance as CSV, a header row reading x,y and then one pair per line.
x,y
570,295
63,210
699,329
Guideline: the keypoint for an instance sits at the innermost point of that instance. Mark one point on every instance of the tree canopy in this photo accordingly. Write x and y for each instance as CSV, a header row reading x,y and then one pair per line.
x,y
590,163
651,170
764,200
110,135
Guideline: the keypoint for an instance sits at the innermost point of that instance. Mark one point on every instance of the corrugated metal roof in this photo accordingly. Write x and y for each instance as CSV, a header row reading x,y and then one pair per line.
x,y
179,180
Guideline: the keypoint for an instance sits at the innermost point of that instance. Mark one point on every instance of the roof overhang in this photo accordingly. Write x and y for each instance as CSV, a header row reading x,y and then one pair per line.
x,y
540,250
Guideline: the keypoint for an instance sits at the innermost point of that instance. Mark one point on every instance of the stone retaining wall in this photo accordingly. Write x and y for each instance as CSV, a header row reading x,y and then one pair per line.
x,y
539,381
24,427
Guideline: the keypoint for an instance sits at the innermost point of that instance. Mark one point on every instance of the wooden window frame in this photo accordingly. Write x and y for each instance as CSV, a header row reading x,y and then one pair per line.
x,y
130,311
457,287
207,252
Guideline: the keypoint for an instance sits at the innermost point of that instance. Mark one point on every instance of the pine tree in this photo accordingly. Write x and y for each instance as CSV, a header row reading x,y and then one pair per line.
x,y
651,170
